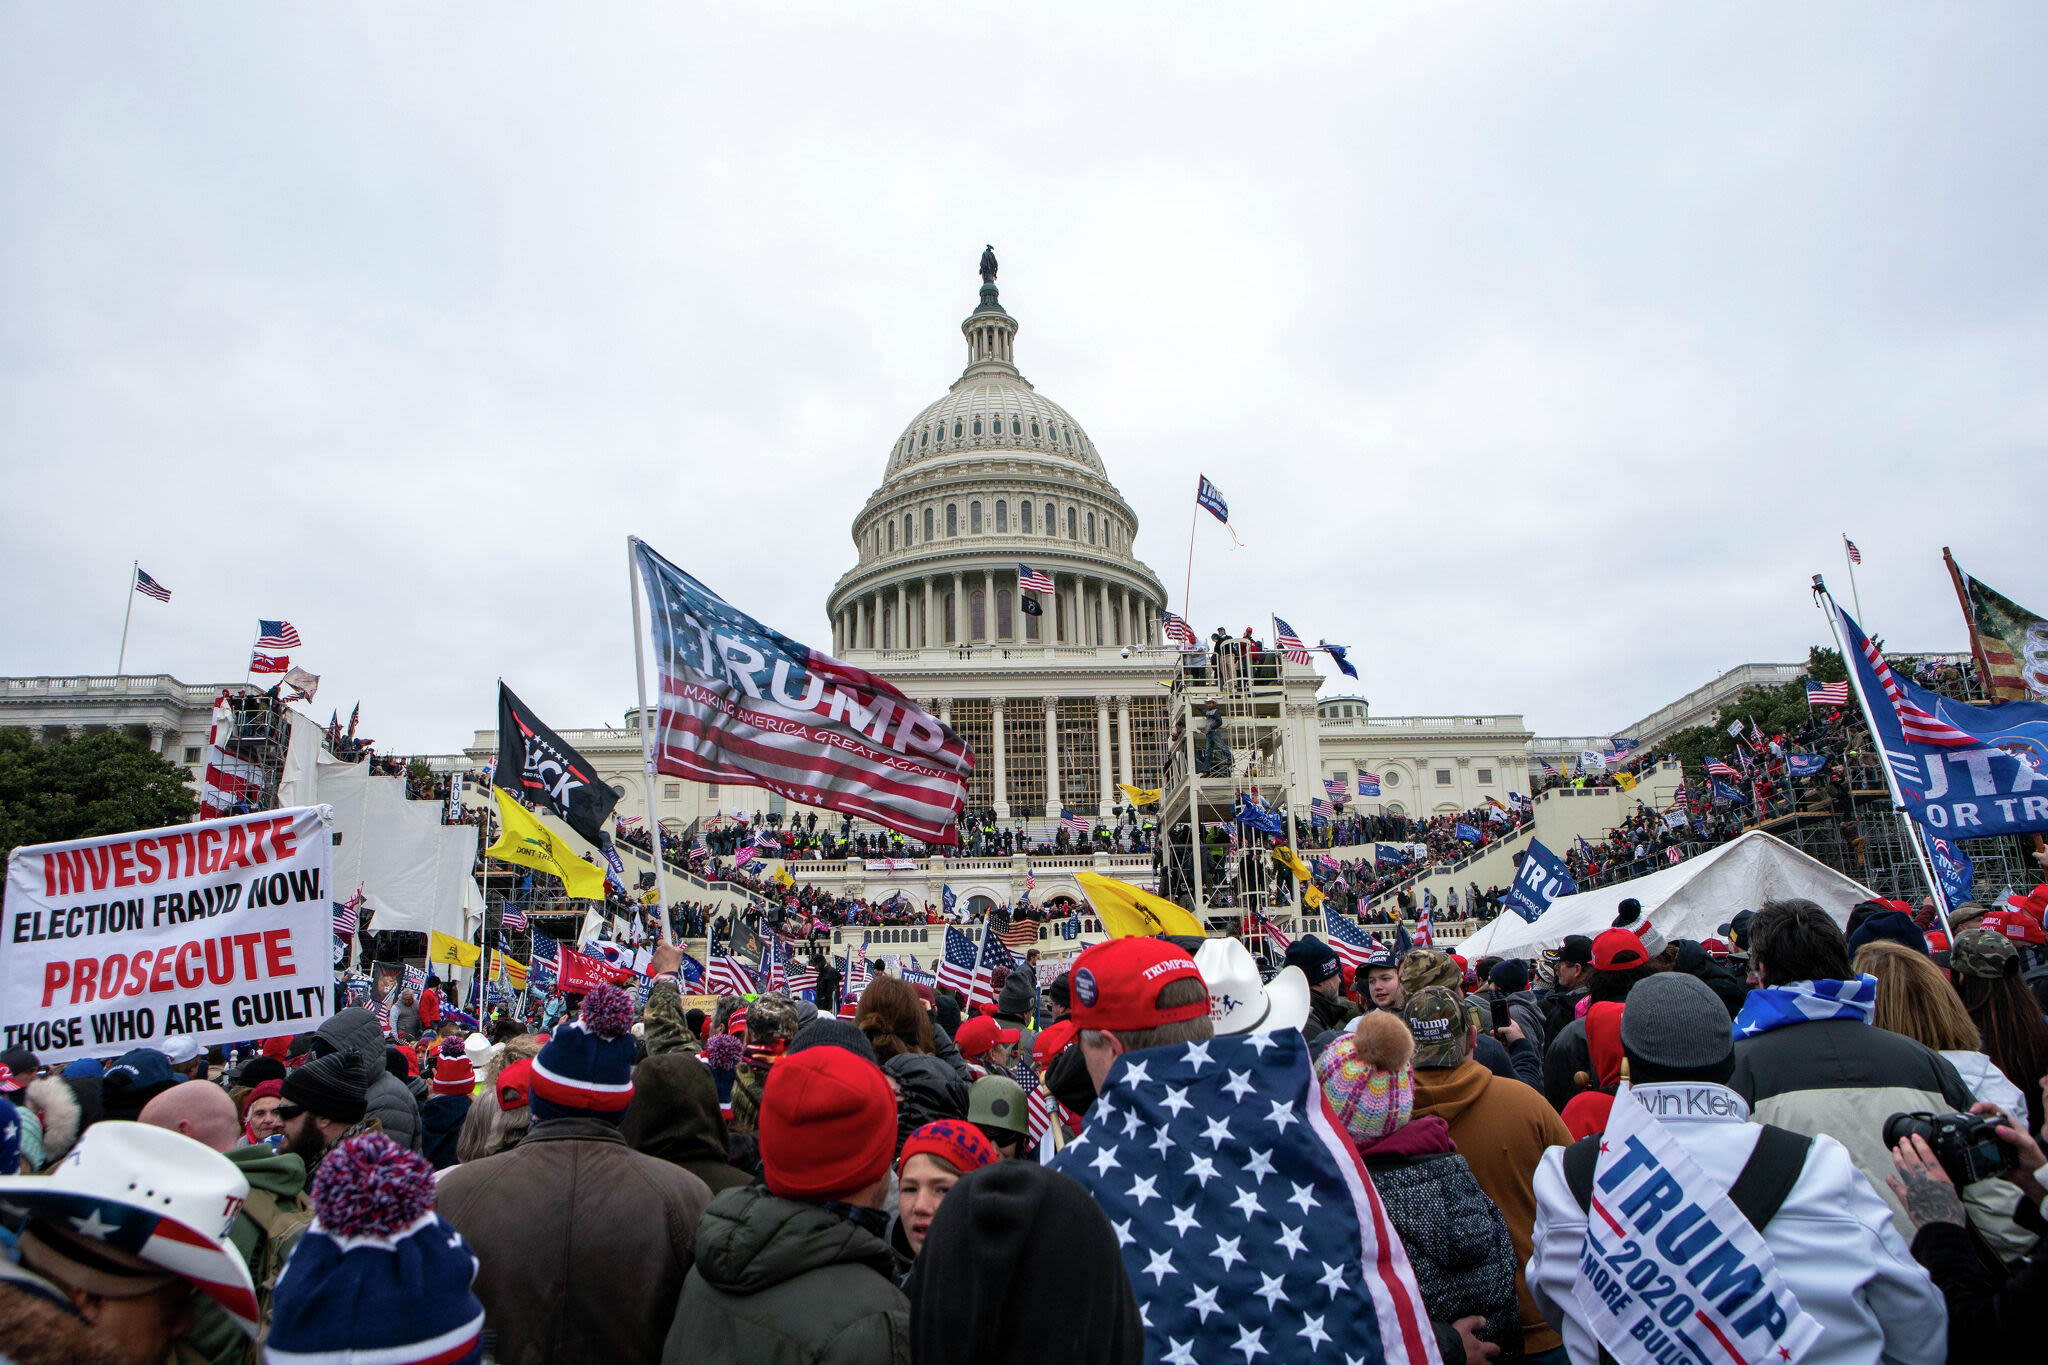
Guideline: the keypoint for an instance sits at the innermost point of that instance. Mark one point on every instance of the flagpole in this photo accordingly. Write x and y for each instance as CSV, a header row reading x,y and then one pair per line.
x,y
1854,596
129,615
1955,576
1188,587
647,744
1891,780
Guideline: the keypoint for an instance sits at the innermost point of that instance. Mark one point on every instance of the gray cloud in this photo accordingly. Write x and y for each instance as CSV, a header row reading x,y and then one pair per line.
x,y
1543,352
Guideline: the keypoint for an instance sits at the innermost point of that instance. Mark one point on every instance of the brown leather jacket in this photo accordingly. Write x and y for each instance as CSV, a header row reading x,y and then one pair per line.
x,y
582,1244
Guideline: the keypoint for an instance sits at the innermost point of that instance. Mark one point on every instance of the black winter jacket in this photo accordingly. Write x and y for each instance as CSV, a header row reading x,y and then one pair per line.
x,y
1987,1320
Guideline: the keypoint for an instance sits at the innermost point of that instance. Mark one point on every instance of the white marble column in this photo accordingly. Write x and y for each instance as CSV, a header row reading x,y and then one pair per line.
x,y
860,629
1123,740
959,610
1052,758
902,616
1123,614
1103,786
1002,785
988,605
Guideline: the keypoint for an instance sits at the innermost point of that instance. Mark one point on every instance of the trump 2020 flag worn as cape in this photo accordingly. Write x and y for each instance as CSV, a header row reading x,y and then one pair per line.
x,y
748,706
540,768
526,841
1247,1223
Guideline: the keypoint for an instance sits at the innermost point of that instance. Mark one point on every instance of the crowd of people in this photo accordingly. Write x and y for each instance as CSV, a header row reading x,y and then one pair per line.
x,y
905,1176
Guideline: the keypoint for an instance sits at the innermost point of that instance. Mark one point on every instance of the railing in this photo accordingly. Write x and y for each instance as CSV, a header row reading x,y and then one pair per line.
x,y
147,684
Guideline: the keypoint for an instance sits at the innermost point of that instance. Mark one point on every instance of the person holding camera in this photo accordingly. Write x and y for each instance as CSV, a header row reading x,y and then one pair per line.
x,y
1987,1311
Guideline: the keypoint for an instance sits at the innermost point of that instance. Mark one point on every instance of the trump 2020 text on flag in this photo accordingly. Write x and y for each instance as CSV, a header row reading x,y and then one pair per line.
x,y
213,931
748,706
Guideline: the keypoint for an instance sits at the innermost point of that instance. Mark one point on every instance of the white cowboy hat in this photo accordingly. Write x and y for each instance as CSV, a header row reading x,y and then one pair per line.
x,y
1239,1002
152,1196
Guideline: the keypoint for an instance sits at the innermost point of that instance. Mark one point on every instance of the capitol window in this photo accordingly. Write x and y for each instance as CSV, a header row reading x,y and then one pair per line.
x,y
1071,534
1091,528
909,526
1390,778
892,535
1070,435
974,518
1002,517
1486,777
924,436
977,426
1016,427
1052,520
956,430
1034,428
1024,517
1443,777
927,523
952,519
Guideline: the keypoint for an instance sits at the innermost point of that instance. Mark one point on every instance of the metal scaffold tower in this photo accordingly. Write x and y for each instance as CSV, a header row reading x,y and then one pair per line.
x,y
253,730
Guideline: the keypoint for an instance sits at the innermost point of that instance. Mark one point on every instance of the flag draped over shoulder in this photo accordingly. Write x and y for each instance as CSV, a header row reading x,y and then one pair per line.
x,y
526,841
746,705
542,768
1127,912
1244,1215
2010,642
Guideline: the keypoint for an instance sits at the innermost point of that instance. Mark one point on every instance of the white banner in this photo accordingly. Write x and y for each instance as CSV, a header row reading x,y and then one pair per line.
x,y
216,931
1671,1269
890,865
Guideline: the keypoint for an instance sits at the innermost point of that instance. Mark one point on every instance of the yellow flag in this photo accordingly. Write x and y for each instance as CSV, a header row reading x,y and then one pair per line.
x,y
1627,781
447,948
526,841
1290,860
508,969
1312,896
1141,796
782,877
1128,912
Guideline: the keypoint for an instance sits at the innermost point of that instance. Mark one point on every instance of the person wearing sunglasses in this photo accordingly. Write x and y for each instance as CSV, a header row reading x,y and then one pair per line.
x,y
321,1103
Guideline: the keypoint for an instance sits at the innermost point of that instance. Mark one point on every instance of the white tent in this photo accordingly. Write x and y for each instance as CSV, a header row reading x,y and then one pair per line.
x,y
1691,899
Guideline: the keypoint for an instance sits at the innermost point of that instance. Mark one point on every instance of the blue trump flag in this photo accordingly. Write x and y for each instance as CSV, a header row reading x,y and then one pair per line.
x,y
1391,855
1541,880
1244,1215
1724,792
1805,765
1465,832
1964,772
947,899
1259,816
1953,869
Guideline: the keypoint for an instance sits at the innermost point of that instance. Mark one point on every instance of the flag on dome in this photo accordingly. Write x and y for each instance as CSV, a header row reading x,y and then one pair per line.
x,y
1291,645
1855,555
1031,580
1267,1226
149,587
1178,632
745,705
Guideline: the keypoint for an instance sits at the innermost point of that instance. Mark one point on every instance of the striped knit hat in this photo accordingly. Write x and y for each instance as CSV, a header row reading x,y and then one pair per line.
x,y
1368,1076
453,1075
586,1070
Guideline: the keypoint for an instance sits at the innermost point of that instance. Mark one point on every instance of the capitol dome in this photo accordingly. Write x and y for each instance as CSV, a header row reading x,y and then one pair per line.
x,y
991,476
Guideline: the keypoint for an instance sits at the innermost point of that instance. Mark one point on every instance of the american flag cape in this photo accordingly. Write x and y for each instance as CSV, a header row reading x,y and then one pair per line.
x,y
956,967
1424,936
1245,1216
746,705
1291,645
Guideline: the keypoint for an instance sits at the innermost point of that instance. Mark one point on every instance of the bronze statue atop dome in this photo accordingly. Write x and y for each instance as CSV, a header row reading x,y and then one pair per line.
x,y
988,264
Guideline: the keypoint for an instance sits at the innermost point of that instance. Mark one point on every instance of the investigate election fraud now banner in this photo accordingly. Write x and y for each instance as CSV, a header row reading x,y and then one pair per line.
x,y
215,931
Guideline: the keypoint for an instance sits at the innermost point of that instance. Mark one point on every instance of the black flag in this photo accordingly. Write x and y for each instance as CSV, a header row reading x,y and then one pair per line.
x,y
1030,605
541,770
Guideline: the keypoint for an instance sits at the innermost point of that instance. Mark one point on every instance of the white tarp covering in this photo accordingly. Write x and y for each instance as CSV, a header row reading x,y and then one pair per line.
x,y
1691,899
414,871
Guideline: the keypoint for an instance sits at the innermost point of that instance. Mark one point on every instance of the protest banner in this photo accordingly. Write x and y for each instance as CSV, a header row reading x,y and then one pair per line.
x,y
1671,1269
579,973
213,931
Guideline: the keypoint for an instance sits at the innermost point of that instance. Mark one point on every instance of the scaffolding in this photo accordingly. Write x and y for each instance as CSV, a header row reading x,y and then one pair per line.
x,y
1866,839
256,731
1228,741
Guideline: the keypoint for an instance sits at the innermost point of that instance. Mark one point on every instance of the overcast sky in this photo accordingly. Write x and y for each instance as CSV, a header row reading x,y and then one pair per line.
x,y
1543,352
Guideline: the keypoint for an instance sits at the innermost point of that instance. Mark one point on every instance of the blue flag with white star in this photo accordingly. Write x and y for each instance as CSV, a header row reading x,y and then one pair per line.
x,y
1246,1219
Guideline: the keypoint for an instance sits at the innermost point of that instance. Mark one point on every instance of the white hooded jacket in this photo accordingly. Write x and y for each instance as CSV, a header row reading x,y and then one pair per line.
x,y
1832,1238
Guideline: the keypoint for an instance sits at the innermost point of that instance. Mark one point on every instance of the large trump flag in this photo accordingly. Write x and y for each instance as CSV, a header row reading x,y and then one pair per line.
x,y
745,705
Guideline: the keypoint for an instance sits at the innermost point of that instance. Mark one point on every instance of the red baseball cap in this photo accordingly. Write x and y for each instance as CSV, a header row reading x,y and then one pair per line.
x,y
8,1081
1716,949
515,1084
1116,985
1053,1041
2020,928
1617,950
981,1033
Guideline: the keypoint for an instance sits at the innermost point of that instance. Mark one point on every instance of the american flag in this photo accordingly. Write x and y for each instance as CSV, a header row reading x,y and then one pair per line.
x,y
1274,934
1018,935
345,919
1672,855
1321,806
1031,580
956,968
1337,786
993,955
800,978
1037,1104
854,973
728,976
270,663
1678,795
1307,1267
276,635
1030,882
1352,945
149,587
628,821
1424,936
1918,725
1827,694
382,1009
1177,631
1620,755
1368,783
228,782
1077,823
513,918
1716,768
1855,555
1290,644
544,949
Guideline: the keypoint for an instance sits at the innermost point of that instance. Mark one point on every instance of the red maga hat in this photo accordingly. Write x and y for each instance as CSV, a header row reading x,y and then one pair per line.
x,y
1116,985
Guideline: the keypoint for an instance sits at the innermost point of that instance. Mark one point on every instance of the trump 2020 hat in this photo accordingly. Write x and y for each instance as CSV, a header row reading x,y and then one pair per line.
x,y
1116,985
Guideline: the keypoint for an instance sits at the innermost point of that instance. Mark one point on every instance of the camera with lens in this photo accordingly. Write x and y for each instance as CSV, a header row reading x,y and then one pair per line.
x,y
1966,1145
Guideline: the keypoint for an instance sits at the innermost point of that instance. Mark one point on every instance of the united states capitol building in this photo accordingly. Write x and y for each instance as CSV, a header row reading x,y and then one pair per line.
x,y
1059,705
